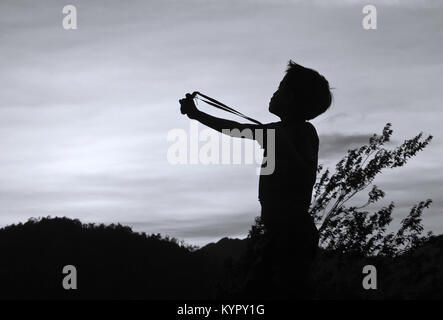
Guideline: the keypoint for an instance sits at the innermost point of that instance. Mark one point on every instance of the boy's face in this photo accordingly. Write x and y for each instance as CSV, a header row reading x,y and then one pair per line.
x,y
281,100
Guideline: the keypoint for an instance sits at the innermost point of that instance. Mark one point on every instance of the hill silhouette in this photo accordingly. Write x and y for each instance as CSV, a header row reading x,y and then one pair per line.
x,y
111,261
224,252
115,262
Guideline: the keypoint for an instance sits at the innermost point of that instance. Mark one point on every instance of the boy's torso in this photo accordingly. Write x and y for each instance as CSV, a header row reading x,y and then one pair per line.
x,y
290,185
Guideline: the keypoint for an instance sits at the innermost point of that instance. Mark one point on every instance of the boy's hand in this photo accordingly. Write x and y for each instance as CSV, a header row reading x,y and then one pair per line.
x,y
188,106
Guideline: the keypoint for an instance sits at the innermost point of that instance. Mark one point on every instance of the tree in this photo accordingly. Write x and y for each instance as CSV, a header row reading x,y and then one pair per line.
x,y
352,229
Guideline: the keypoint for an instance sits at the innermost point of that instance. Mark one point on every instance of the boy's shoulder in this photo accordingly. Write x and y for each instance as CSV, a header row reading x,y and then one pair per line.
x,y
311,128
295,125
273,125
311,132
303,130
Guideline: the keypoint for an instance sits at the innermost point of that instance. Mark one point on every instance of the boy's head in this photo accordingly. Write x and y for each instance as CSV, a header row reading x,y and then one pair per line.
x,y
303,94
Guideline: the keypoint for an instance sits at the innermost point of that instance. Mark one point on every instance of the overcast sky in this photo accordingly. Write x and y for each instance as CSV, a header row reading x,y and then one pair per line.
x,y
84,114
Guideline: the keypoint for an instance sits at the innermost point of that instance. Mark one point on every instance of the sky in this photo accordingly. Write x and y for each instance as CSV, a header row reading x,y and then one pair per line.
x,y
85,113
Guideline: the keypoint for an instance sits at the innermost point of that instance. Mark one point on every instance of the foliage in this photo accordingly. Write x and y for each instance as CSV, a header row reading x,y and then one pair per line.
x,y
352,229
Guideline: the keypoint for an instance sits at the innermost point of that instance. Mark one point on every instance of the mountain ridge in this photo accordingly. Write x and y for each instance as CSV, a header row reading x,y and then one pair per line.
x,y
115,262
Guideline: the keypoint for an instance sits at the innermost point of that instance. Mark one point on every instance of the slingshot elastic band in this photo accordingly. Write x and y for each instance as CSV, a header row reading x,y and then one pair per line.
x,y
222,106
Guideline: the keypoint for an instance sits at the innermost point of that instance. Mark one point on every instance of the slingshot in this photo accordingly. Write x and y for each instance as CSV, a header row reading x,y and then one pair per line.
x,y
222,106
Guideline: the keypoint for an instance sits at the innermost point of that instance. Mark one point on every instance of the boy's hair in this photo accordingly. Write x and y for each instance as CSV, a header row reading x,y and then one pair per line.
x,y
310,90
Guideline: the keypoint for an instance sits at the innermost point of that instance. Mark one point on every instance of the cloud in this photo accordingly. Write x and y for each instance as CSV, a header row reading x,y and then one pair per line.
x,y
84,115
337,144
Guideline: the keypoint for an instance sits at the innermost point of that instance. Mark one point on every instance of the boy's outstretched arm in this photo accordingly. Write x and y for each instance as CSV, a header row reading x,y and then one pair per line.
x,y
231,128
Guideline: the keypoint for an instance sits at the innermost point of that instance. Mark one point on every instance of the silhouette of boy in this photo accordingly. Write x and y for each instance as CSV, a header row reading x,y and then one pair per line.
x,y
285,195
